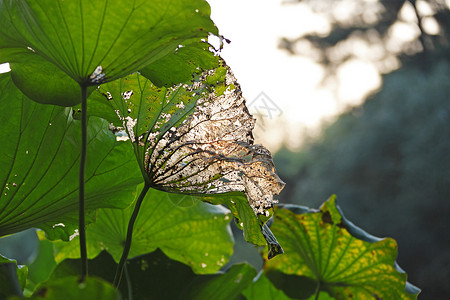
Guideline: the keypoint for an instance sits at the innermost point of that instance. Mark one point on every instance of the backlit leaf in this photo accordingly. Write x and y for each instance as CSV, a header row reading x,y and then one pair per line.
x,y
42,266
196,138
155,276
43,82
319,246
263,289
179,66
100,41
255,230
70,288
39,161
196,233
224,286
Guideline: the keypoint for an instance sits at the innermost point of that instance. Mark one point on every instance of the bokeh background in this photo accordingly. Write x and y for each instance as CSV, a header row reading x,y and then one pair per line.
x,y
353,98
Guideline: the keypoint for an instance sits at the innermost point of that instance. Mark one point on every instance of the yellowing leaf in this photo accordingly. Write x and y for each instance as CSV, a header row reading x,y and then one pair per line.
x,y
319,246
196,138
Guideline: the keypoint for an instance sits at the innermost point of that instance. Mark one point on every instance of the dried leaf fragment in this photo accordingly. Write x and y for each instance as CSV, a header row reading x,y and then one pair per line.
x,y
199,140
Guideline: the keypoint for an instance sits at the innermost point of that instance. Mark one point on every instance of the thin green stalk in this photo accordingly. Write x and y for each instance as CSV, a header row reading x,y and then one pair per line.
x,y
317,291
81,178
129,285
127,246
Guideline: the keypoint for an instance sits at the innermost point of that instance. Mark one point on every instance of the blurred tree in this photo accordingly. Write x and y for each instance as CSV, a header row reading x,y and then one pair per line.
x,y
387,29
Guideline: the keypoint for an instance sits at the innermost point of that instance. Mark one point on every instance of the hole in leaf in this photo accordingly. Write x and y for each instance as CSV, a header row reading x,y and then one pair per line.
x,y
97,76
212,150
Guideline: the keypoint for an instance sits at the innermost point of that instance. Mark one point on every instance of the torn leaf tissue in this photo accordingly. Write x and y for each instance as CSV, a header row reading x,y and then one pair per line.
x,y
201,142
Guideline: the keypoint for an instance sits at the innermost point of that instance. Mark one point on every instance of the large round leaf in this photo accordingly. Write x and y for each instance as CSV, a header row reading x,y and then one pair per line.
x,y
319,246
70,288
12,278
197,235
111,36
197,139
194,233
254,228
40,157
264,289
43,82
179,67
155,276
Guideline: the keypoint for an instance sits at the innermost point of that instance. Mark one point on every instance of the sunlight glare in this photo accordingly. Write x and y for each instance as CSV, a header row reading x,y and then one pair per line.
x,y
4,68
357,79
430,26
401,33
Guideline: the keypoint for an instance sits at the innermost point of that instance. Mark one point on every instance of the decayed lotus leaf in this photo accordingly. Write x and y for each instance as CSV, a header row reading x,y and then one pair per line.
x,y
212,150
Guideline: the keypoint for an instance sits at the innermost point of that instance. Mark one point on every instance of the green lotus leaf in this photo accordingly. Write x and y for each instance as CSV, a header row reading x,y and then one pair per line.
x,y
296,287
155,276
42,266
94,42
179,67
196,233
43,82
40,157
264,289
70,288
223,286
319,246
254,228
12,277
